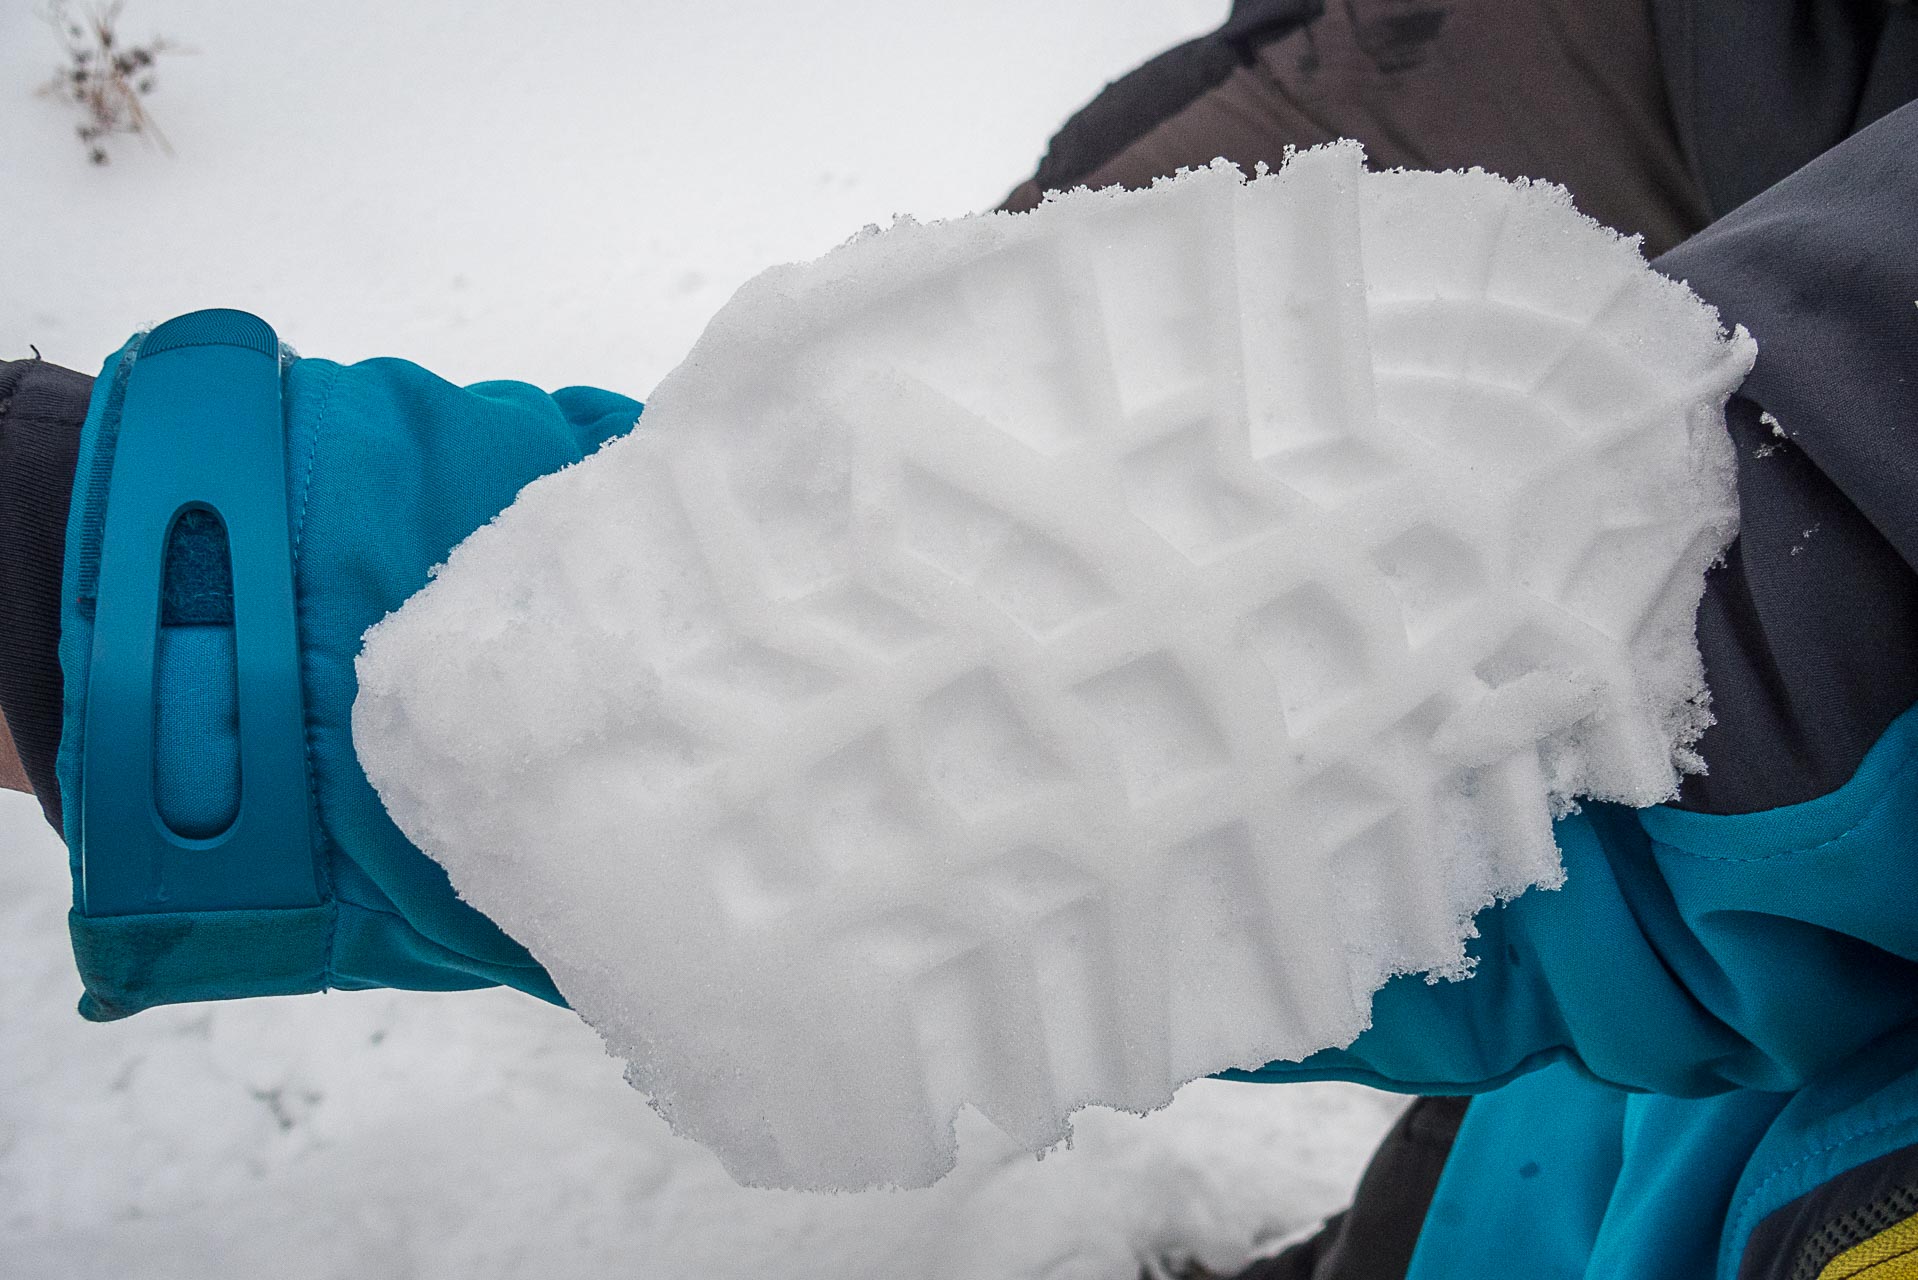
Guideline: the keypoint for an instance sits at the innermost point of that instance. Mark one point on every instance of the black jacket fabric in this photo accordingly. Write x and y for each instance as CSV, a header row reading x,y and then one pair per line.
x,y
1376,1236
1809,629
1760,88
1757,88
1150,94
41,409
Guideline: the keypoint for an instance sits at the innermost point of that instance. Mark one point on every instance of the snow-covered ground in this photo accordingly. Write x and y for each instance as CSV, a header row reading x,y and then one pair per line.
x,y
390,1134
561,193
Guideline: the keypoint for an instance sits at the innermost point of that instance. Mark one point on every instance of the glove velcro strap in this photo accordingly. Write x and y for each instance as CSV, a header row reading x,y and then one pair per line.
x,y
161,916
134,962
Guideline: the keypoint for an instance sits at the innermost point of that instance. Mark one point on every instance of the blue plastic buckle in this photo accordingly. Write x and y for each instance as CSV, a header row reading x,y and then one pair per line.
x,y
200,428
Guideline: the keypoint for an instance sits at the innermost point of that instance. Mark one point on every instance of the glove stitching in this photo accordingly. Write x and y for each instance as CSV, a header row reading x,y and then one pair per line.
x,y
312,455
1745,1205
322,838
1891,789
529,966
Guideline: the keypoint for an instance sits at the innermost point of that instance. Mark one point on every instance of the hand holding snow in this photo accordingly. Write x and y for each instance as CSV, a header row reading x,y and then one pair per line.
x,y
1039,660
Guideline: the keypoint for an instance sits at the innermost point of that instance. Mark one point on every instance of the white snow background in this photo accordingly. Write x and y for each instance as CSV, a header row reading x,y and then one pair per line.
x,y
561,193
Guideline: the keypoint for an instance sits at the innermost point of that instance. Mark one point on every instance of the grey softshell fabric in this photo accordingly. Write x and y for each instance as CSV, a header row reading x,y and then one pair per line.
x,y
1810,627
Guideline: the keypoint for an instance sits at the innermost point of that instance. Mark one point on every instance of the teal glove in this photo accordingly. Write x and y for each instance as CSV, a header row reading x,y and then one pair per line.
x,y
387,467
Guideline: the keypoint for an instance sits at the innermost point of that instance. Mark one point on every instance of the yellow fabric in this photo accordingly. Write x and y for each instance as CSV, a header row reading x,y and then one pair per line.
x,y
1892,1254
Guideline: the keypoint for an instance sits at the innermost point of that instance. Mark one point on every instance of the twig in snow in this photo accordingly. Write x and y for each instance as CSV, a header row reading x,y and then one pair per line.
x,y
104,76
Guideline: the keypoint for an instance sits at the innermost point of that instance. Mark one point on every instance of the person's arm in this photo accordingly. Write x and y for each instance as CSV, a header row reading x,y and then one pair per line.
x,y
387,468
12,776
41,408
1694,948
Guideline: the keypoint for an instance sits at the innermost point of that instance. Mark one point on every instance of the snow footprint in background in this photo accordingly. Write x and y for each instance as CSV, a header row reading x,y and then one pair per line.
x,y
1034,661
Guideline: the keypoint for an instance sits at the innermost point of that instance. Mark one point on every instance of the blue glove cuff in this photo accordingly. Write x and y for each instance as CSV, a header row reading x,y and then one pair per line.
x,y
238,521
187,424
199,432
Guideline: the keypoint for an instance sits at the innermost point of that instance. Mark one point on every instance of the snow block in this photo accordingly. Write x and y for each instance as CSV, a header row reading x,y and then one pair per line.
x,y
1038,660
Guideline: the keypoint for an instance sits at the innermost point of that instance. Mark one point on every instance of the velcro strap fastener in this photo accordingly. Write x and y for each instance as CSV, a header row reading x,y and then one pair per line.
x,y
200,429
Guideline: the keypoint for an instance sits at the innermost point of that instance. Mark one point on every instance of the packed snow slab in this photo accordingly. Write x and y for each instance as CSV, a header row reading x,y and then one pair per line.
x,y
1034,661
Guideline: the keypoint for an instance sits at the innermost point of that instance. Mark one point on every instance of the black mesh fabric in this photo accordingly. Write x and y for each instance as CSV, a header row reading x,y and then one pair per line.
x,y
1800,1239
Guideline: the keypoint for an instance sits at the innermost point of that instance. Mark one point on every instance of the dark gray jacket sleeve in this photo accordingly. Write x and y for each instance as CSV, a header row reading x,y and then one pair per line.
x,y
41,409
1809,629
